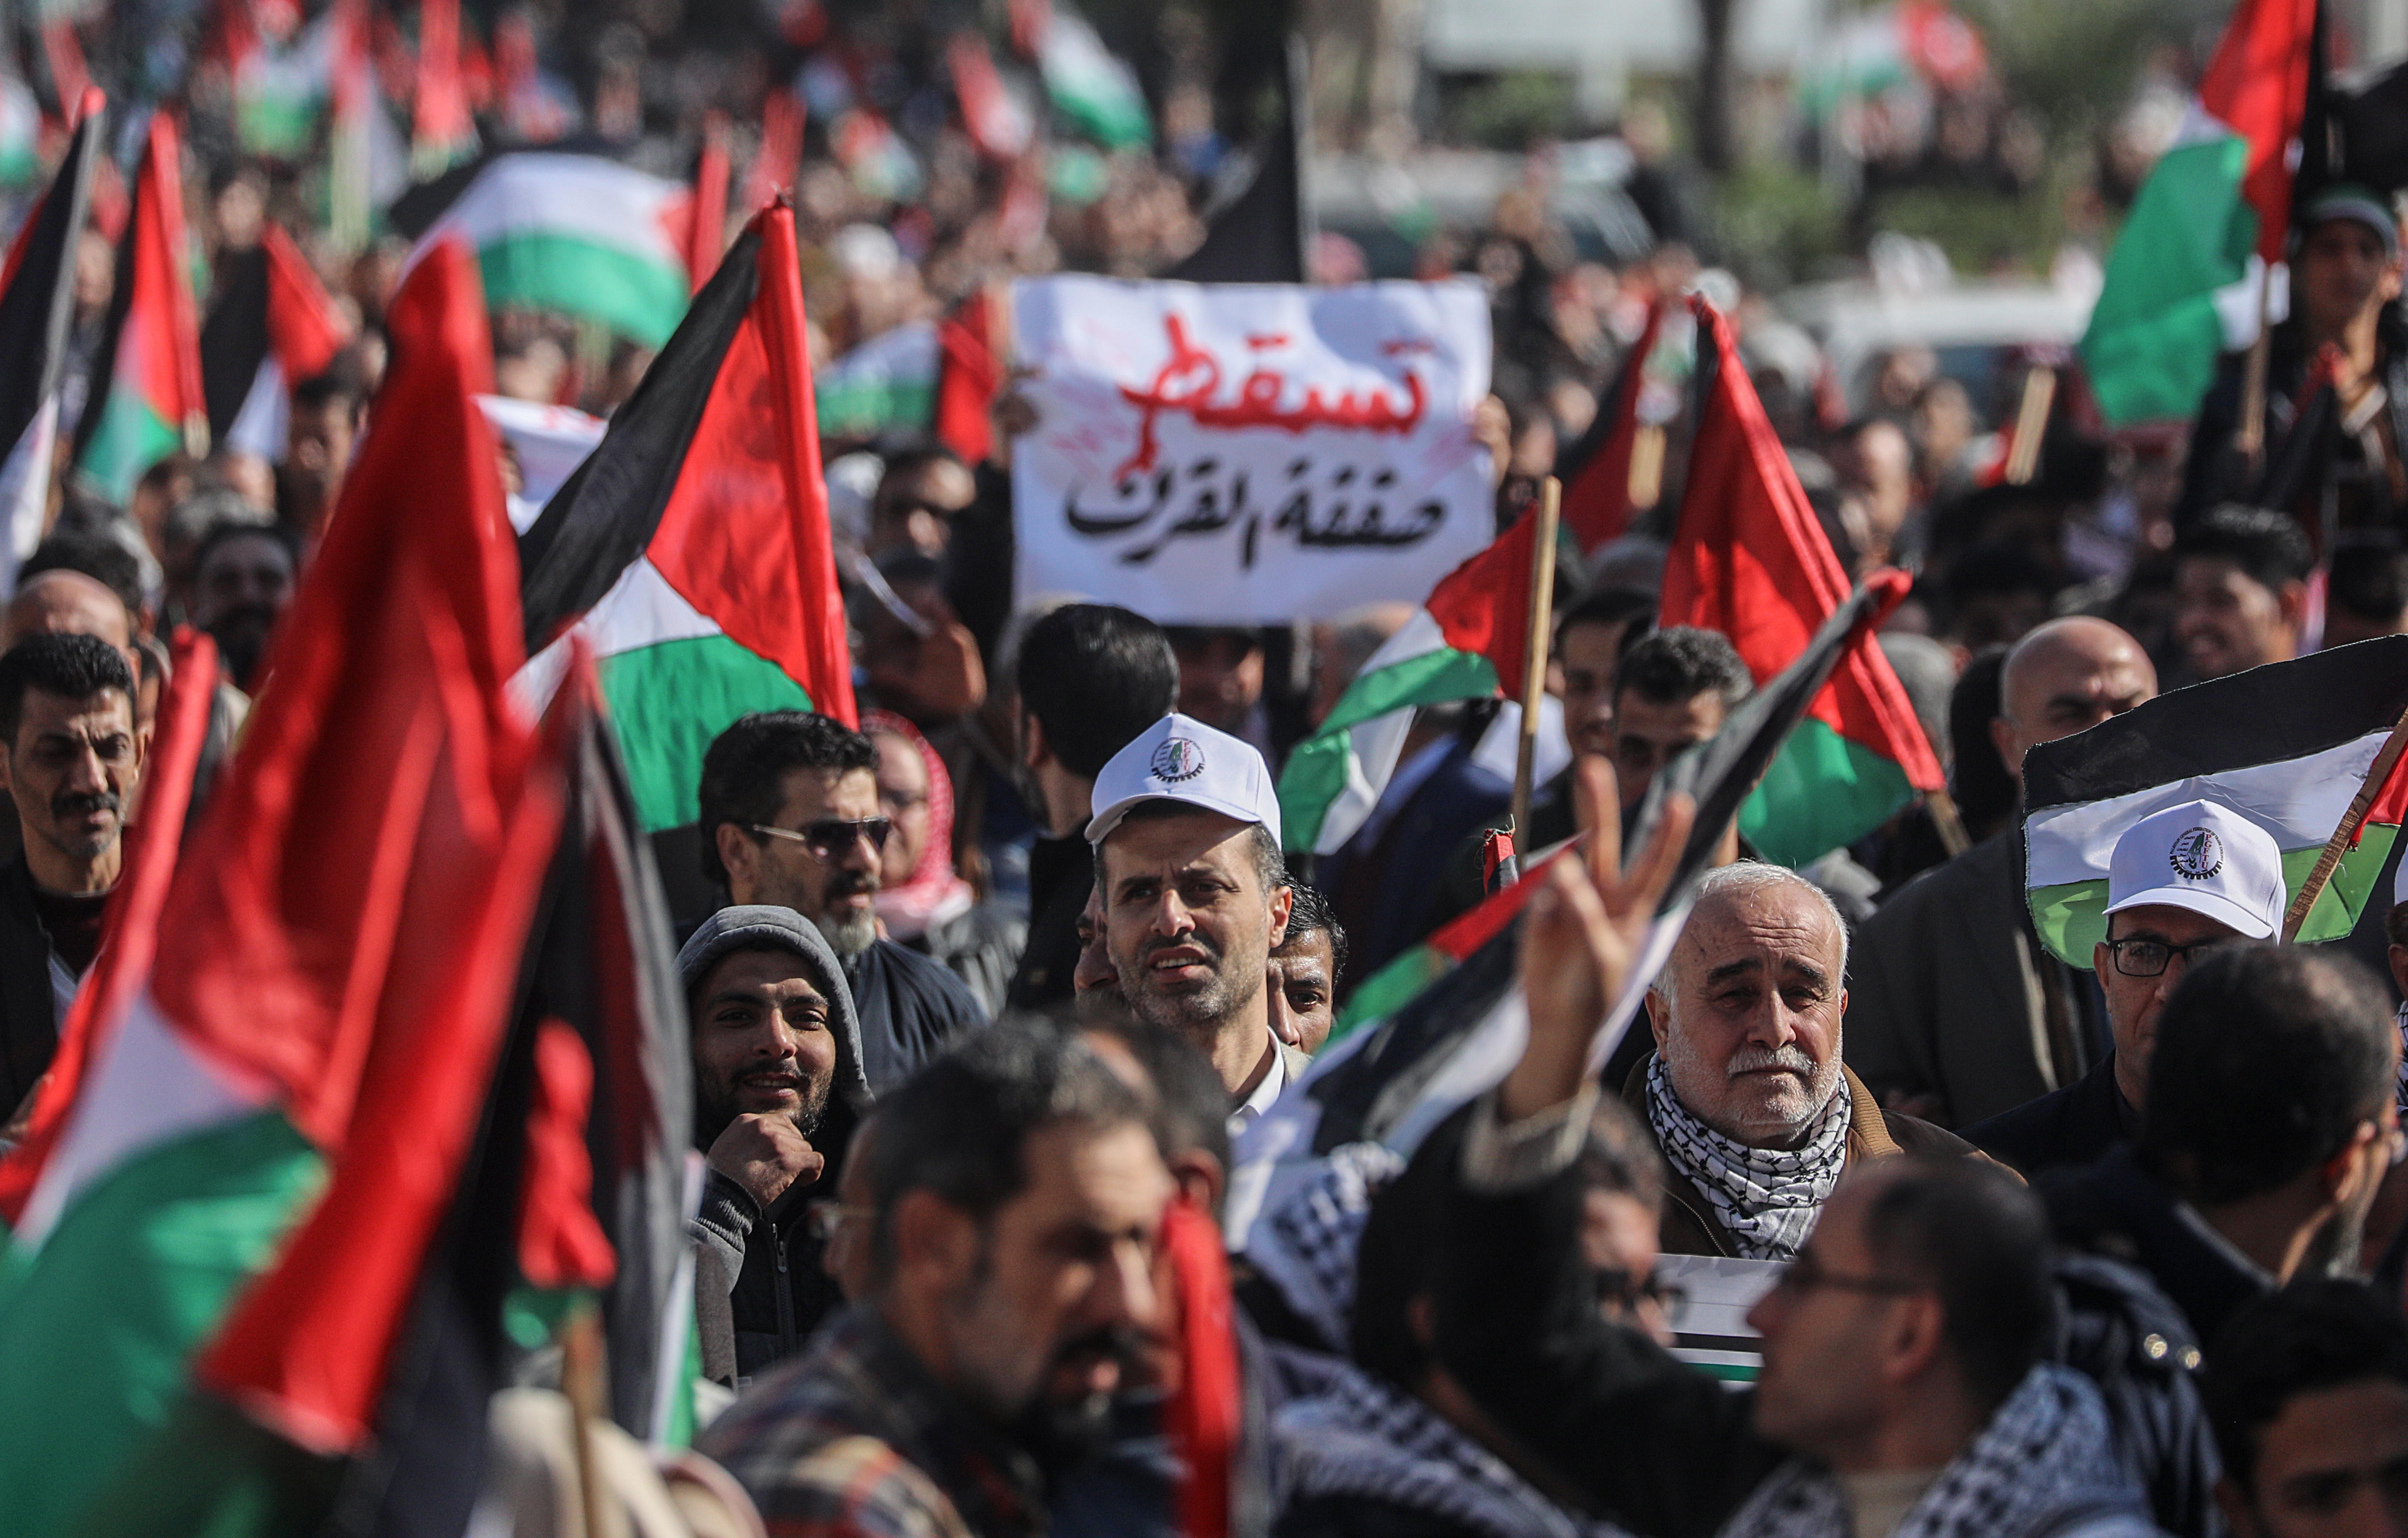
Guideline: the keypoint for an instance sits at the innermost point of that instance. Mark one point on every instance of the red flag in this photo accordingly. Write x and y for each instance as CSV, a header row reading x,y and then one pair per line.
x,y
304,328
2257,85
706,228
1750,560
780,154
998,124
1596,471
440,129
351,923
1206,1405
969,371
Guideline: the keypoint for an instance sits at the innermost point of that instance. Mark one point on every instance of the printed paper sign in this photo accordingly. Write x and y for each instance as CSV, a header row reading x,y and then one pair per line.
x,y
1249,454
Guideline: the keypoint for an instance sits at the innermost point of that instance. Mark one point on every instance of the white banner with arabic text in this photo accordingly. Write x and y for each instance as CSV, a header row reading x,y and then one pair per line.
x,y
1249,454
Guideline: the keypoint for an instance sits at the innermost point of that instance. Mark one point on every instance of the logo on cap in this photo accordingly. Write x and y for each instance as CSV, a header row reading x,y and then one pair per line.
x,y
1178,759
2198,855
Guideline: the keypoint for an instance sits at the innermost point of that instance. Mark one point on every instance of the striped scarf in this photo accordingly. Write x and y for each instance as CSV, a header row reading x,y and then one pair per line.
x,y
1765,1197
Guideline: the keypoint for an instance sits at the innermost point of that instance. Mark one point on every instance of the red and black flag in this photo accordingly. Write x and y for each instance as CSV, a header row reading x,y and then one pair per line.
x,y
273,326
37,302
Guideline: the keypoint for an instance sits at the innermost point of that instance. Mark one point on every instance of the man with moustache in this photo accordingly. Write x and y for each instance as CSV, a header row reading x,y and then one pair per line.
x,y
1745,1092
1195,897
776,1058
243,576
73,758
789,816
1017,1195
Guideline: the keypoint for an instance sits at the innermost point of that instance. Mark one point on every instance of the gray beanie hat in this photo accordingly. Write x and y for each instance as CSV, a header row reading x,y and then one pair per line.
x,y
761,926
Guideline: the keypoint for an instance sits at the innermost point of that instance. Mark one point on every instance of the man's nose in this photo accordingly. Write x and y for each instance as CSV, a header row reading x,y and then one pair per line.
x,y
86,772
1170,916
1775,1024
1125,1292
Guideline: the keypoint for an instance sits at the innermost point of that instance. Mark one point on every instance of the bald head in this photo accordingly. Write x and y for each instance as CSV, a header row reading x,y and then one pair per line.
x,y
2066,676
66,603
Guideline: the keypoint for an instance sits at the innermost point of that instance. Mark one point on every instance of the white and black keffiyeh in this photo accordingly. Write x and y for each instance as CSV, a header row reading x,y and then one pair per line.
x,y
1360,1437
1765,1197
2044,1464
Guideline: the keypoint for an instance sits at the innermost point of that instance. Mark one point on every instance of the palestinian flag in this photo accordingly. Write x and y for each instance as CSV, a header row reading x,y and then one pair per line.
x,y
1595,469
969,371
334,970
2220,195
887,384
692,549
1454,1024
273,326
151,405
577,234
37,304
1091,87
280,90
2287,745
440,130
1750,560
1466,643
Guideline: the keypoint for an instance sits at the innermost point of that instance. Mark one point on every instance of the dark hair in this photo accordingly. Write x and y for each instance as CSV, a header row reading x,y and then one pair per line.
x,y
957,1128
2268,1059
339,383
98,556
1403,1247
1308,912
1631,606
1094,675
2308,1337
69,667
229,529
1675,666
1994,571
1271,863
1189,1108
1977,774
1981,1242
918,457
745,766
2268,547
2369,582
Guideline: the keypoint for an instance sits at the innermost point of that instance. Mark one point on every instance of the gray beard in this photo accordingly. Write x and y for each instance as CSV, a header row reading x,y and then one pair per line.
x,y
848,937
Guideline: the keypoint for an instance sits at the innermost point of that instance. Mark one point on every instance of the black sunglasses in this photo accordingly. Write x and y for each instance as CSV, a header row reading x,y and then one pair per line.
x,y
831,836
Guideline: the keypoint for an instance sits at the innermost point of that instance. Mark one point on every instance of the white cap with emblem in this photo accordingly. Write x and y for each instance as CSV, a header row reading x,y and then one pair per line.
x,y
2204,858
1179,758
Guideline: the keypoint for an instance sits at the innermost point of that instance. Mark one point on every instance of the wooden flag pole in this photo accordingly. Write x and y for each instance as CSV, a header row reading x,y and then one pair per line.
x,y
2377,774
1947,822
1534,652
2031,425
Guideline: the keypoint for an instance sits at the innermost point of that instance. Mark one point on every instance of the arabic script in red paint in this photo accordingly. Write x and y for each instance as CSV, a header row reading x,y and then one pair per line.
x,y
1190,377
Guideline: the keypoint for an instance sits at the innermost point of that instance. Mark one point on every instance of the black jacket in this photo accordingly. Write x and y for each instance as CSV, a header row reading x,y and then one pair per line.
x,y
2065,1128
29,1019
1061,873
781,1291
2118,1209
911,1009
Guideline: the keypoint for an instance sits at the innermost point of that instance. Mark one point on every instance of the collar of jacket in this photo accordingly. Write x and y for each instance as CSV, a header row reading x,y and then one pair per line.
x,y
1868,1138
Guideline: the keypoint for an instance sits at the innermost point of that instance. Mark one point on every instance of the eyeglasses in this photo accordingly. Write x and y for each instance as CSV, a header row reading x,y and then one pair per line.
x,y
2148,957
1805,1274
831,836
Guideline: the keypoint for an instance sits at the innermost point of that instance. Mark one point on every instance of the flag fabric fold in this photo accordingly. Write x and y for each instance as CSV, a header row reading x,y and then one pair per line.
x,y
692,549
2314,725
2221,195
37,305
1749,559
149,404
273,326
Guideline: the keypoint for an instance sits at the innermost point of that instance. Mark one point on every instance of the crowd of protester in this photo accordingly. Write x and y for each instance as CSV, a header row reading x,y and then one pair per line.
x,y
985,994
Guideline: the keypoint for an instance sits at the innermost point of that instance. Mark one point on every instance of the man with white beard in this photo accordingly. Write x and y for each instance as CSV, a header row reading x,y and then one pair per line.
x,y
1745,1092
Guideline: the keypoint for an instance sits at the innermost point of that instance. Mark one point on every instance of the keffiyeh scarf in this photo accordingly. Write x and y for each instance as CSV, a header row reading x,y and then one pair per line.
x,y
1360,1437
1765,1197
2046,1458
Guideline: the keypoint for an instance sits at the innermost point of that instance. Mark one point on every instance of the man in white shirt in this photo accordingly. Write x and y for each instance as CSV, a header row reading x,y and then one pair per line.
x,y
1194,895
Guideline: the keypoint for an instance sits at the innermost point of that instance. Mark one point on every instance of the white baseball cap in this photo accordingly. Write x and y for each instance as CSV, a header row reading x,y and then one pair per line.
x,y
2204,858
1179,758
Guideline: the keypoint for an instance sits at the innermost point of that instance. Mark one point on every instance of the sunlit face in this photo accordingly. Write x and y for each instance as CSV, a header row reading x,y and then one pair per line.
x,y
2227,620
1189,926
71,771
1587,655
2341,267
1649,734
1059,1288
1748,1021
903,798
762,1042
1821,1326
833,891
2134,1004
1303,988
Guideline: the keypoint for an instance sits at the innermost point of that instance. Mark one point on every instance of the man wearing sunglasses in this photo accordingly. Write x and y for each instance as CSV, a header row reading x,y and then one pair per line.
x,y
2180,882
790,817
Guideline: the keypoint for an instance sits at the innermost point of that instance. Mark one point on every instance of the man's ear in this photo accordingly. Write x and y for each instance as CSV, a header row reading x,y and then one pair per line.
x,y
1200,1178
2291,602
1283,904
936,1243
1659,1017
1033,747
736,855
2238,1514
1917,1337
2339,1175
